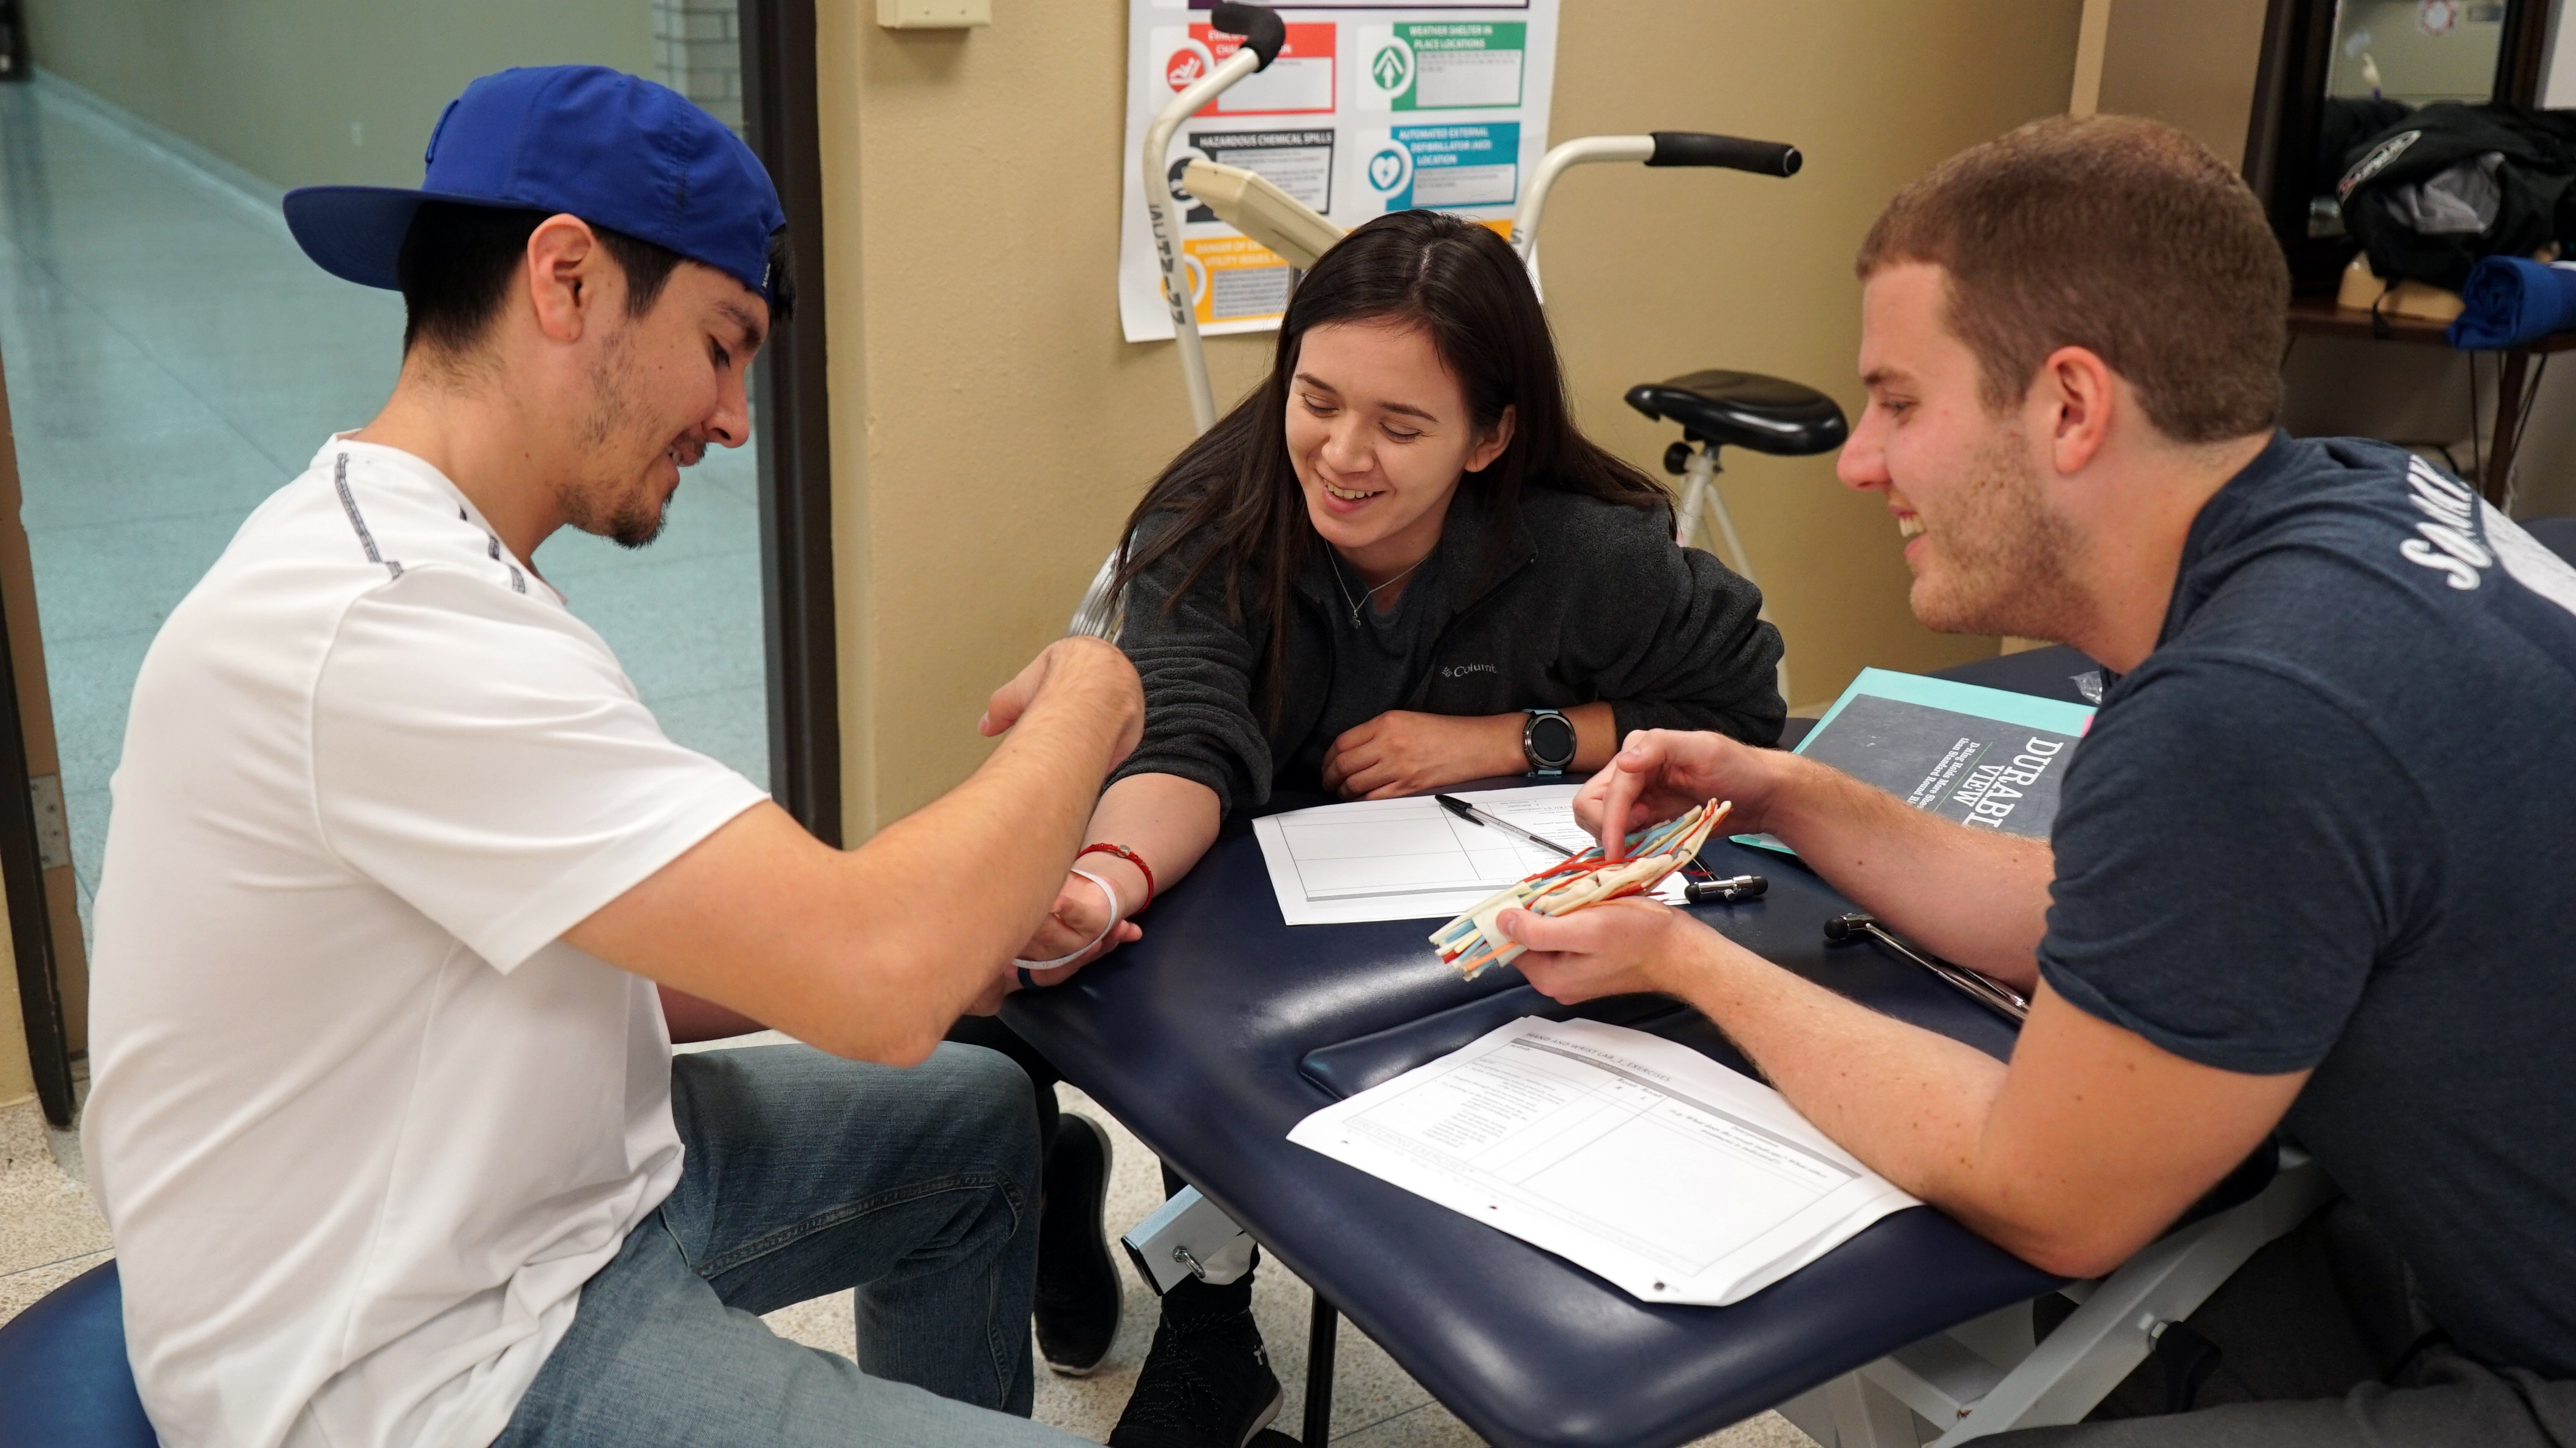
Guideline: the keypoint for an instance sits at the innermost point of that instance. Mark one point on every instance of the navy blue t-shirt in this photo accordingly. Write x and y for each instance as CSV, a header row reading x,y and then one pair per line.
x,y
2326,826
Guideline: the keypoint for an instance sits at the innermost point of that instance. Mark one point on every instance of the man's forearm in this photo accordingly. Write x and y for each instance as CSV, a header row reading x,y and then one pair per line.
x,y
1910,1103
980,865
1975,896
2073,1157
873,953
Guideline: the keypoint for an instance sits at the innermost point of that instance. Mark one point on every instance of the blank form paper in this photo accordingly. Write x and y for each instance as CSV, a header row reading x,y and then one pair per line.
x,y
1640,1159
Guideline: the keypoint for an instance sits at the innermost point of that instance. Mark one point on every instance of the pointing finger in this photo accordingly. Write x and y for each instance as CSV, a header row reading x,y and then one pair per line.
x,y
1629,771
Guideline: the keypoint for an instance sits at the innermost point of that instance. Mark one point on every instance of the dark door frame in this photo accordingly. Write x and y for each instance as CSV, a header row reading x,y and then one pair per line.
x,y
31,930
792,423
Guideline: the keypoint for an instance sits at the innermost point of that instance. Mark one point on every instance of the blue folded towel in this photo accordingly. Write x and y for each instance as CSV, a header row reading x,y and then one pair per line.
x,y
2512,301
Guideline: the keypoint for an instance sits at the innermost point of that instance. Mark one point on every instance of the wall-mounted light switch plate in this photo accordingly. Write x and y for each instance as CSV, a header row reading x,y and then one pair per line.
x,y
933,14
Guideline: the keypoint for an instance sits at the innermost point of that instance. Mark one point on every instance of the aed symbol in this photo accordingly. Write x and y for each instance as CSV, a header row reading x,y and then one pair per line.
x,y
1392,69
1386,168
1184,68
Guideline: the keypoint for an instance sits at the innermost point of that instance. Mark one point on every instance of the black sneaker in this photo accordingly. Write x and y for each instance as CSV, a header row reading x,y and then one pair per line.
x,y
1079,1295
1207,1382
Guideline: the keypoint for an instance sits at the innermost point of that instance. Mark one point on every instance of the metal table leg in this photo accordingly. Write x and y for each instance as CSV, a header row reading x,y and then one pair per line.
x,y
1319,1373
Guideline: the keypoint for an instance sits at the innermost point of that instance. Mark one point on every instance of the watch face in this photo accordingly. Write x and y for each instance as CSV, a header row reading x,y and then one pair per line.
x,y
1551,740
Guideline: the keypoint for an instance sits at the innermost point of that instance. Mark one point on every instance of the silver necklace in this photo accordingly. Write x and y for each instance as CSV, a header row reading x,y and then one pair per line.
x,y
1370,596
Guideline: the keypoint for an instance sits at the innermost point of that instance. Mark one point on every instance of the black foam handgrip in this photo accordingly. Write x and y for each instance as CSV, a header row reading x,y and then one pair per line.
x,y
1700,148
1264,34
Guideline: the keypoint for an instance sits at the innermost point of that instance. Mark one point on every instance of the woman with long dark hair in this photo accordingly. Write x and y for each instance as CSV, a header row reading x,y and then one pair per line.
x,y
1395,566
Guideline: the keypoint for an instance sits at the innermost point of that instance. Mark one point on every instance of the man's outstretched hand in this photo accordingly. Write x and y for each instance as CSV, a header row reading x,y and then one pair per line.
x,y
1660,773
1080,668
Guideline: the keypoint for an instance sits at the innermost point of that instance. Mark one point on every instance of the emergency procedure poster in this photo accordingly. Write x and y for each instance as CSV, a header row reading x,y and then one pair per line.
x,y
1369,109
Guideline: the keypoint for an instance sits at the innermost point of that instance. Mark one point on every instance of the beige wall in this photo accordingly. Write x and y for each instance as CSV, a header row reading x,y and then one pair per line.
x,y
298,92
2188,63
990,429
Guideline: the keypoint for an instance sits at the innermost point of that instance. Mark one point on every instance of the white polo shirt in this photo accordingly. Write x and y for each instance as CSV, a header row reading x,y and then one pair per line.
x,y
362,1123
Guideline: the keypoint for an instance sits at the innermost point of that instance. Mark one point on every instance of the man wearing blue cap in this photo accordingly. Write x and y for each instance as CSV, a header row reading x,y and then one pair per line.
x,y
407,895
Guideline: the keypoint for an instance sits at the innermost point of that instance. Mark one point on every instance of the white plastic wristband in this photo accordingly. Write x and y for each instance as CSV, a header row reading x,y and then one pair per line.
x,y
1117,912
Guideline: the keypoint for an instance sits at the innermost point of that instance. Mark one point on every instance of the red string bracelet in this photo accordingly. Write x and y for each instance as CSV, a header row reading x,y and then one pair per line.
x,y
1131,857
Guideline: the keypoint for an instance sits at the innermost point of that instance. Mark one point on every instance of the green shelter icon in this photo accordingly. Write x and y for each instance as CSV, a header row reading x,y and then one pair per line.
x,y
1392,69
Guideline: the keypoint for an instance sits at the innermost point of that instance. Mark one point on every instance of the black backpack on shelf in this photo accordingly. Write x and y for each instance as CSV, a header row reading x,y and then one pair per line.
x,y
2451,183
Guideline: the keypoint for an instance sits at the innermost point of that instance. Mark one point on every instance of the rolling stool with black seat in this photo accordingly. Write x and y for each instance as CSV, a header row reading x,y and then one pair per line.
x,y
63,1372
1735,409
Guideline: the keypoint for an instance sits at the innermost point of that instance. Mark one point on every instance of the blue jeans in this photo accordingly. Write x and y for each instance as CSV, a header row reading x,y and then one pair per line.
x,y
805,1175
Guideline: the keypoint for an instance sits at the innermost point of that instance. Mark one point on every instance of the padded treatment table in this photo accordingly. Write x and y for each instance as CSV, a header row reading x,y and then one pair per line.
x,y
1218,1031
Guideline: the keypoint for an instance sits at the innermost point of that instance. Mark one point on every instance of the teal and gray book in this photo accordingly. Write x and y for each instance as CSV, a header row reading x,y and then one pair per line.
x,y
1988,758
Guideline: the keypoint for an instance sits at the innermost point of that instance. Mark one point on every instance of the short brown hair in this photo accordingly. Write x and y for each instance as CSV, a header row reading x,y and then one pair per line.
x,y
2113,233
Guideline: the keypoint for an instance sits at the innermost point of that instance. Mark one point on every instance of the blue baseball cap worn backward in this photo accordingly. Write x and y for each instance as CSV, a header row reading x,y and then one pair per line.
x,y
613,149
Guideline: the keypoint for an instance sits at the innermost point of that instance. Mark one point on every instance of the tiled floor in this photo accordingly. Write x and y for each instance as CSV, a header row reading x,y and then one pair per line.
x,y
50,1232
172,359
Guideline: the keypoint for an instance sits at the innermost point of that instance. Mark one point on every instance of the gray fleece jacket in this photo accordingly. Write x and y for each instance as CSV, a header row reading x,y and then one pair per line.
x,y
1591,601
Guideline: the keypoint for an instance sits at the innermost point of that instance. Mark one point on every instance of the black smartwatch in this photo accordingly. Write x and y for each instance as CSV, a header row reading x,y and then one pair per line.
x,y
1547,741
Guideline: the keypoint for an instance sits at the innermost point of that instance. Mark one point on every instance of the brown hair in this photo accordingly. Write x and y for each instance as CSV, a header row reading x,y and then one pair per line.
x,y
2118,234
1234,493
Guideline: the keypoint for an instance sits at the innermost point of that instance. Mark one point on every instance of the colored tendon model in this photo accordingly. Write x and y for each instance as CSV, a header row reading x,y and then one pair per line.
x,y
1471,942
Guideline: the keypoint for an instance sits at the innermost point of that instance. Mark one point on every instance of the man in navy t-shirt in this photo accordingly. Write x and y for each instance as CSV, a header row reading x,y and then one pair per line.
x,y
2306,876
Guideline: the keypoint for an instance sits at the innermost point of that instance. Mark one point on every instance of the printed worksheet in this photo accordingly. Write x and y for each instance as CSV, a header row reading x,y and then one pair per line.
x,y
1409,859
1629,1155
1373,106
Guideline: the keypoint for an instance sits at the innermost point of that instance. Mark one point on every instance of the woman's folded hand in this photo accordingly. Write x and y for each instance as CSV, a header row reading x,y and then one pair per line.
x,y
1401,752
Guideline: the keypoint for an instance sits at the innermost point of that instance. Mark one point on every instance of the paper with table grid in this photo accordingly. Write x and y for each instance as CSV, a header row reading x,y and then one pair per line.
x,y
1630,1155
1409,859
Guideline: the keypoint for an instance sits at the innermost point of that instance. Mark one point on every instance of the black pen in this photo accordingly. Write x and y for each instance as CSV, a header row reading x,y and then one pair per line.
x,y
1466,811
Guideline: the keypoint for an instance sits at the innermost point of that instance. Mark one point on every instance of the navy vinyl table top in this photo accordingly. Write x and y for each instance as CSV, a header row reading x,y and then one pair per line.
x,y
1197,1038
